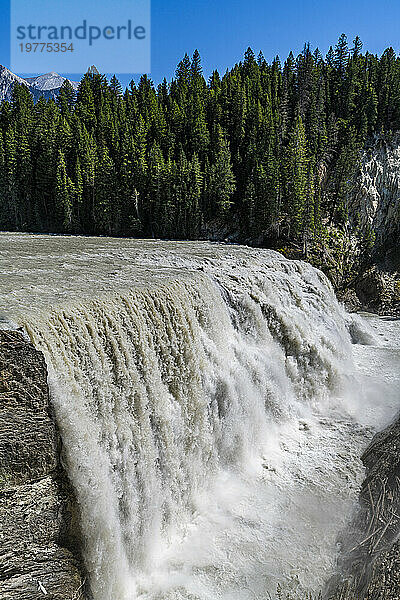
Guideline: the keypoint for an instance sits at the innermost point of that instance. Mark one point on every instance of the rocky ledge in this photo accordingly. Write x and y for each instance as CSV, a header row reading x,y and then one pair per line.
x,y
369,563
39,532
373,290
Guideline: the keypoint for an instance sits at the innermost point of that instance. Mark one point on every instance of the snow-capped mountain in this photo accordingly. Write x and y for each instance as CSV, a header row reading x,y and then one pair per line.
x,y
7,81
48,82
47,85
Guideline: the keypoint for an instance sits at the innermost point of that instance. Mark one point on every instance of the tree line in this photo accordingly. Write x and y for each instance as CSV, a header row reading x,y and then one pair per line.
x,y
266,150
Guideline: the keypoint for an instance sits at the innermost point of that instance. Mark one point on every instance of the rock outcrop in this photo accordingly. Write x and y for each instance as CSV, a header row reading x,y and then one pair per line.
x,y
374,201
374,226
370,558
39,532
378,291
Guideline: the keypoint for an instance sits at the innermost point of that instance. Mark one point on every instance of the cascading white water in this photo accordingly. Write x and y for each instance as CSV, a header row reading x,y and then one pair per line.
x,y
211,414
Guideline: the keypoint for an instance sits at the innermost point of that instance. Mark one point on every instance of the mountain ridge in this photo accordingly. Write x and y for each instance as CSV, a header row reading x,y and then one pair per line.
x,y
46,85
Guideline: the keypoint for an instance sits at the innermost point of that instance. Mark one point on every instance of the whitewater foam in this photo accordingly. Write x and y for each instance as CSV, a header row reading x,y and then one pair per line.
x,y
211,412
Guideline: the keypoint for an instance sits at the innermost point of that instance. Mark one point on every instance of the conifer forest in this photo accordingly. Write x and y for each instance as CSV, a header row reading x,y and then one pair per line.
x,y
266,149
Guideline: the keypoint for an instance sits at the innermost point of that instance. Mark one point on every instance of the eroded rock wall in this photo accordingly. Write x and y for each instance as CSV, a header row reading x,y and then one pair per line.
x,y
39,535
374,201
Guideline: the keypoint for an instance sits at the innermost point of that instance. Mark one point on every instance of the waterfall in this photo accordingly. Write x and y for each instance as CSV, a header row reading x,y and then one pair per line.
x,y
209,414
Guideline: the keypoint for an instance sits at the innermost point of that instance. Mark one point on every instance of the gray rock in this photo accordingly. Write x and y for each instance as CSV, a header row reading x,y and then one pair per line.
x,y
374,202
379,291
39,531
369,564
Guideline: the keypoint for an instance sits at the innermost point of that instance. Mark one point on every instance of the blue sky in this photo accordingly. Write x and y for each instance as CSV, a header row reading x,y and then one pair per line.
x,y
223,29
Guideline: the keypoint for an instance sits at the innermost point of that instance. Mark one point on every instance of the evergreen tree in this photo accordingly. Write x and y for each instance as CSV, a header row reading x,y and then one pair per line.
x,y
64,193
296,177
221,182
115,86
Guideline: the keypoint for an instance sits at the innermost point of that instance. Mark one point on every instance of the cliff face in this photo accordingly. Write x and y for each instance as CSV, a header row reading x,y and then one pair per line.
x,y
374,212
39,536
374,202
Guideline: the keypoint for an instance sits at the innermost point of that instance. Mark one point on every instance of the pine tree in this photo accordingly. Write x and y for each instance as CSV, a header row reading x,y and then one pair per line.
x,y
221,184
115,86
11,178
64,193
66,97
296,177
357,47
341,55
196,71
104,213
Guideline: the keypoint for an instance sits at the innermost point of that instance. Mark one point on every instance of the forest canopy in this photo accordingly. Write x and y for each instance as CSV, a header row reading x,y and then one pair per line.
x,y
267,148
